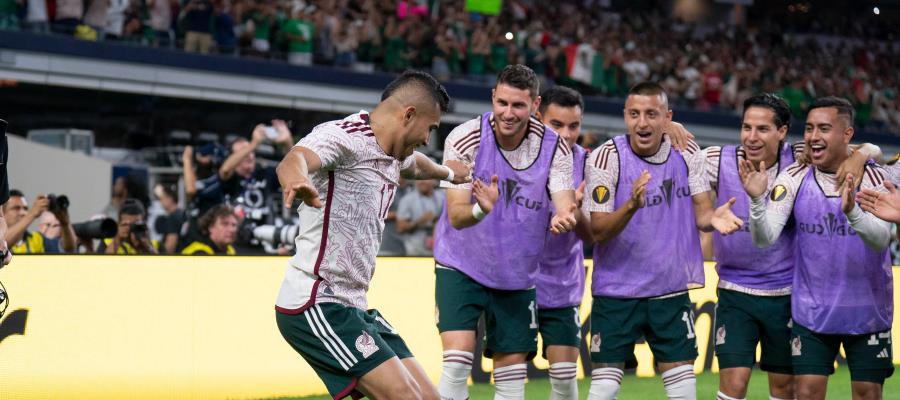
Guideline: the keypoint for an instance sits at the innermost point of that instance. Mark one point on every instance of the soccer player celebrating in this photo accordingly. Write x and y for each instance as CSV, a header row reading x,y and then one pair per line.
x,y
646,200
560,280
345,172
487,253
842,283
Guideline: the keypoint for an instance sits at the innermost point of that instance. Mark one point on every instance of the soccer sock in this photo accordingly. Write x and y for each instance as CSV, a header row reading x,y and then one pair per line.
x,y
605,383
723,396
681,383
455,375
509,382
562,381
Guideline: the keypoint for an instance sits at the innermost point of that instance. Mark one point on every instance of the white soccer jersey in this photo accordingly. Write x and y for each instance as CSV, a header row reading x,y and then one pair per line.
x,y
337,244
464,141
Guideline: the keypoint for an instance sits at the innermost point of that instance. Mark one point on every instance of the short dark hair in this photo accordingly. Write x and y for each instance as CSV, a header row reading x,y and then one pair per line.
x,y
422,80
648,88
843,106
773,102
213,215
169,190
520,77
132,206
561,96
16,192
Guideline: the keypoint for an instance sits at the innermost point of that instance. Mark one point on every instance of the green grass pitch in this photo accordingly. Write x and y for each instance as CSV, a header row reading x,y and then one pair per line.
x,y
634,388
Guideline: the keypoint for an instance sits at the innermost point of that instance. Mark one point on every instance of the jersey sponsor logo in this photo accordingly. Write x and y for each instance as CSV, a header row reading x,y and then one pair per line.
x,y
778,193
666,192
831,226
366,345
600,195
509,192
720,335
595,343
796,346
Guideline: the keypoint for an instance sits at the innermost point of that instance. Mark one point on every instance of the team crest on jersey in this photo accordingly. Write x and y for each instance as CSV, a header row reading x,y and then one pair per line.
x,y
720,335
796,346
366,345
595,344
601,194
778,193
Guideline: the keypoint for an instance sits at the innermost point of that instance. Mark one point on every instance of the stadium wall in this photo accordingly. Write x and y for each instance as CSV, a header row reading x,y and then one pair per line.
x,y
36,168
101,327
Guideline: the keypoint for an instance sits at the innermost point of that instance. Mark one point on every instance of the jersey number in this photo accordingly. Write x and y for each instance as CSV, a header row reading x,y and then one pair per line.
x,y
688,319
387,196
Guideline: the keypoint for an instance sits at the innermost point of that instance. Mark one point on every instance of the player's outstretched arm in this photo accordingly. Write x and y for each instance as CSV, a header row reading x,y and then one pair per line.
x,y
230,163
460,210
423,168
882,205
293,174
720,219
607,225
582,219
678,135
874,232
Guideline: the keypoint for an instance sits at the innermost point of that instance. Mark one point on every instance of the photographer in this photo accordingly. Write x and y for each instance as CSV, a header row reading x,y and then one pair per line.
x,y
132,236
19,216
219,229
250,188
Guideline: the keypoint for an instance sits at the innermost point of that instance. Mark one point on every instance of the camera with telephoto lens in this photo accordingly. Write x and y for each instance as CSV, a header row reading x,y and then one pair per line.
x,y
276,235
138,229
96,229
57,203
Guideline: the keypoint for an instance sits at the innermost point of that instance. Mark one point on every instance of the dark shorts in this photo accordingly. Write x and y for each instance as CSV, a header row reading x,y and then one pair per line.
x,y
869,356
743,320
667,325
341,343
559,327
510,316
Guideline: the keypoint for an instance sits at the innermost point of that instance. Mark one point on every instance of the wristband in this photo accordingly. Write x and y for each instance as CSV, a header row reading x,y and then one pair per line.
x,y
450,175
477,212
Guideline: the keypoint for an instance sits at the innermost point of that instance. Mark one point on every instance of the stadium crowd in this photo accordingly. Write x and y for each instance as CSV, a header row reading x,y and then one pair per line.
x,y
703,66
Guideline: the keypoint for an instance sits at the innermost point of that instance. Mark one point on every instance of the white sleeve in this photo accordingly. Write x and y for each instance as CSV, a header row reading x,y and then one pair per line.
x,y
874,232
561,169
462,145
696,164
601,174
329,142
767,218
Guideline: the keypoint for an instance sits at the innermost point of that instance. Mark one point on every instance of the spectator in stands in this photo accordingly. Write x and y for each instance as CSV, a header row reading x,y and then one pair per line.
x,y
224,29
169,226
345,45
298,32
132,237
124,187
197,20
68,16
161,22
18,217
9,14
202,186
416,215
263,17
36,19
219,231
96,16
115,19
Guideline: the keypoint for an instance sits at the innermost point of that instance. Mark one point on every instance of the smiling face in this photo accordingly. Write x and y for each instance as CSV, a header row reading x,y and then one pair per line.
x,y
760,138
419,124
566,121
512,109
827,135
646,116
